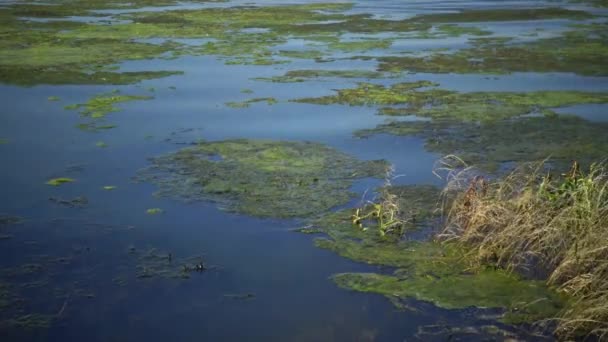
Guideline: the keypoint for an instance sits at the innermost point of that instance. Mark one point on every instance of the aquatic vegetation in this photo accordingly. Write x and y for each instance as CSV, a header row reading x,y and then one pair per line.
x,y
245,104
54,98
302,54
360,45
423,99
50,52
94,126
552,223
109,187
78,202
153,263
3,141
581,51
490,145
100,105
154,211
59,181
260,177
440,273
294,76
101,144
246,91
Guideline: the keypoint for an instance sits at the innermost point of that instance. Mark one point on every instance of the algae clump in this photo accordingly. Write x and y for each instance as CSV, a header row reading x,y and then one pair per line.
x,y
154,211
100,105
490,145
424,99
440,273
59,181
260,177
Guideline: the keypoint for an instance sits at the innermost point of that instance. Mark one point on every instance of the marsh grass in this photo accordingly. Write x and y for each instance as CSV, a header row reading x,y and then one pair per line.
x,y
554,227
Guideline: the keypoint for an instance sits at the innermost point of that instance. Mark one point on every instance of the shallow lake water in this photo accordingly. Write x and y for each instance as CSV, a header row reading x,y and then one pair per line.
x,y
266,283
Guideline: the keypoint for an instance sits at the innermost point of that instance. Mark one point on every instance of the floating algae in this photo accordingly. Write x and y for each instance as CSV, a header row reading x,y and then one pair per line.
x,y
154,211
434,272
59,181
100,105
424,99
262,178
489,145
294,76
582,51
245,104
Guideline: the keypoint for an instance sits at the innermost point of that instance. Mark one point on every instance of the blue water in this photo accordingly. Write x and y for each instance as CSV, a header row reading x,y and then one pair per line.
x,y
294,298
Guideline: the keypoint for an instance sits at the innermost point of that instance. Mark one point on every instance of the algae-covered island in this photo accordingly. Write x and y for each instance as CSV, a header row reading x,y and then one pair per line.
x,y
230,170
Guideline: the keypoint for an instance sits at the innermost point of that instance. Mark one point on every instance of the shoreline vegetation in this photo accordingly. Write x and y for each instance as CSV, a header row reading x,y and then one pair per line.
x,y
533,221
531,241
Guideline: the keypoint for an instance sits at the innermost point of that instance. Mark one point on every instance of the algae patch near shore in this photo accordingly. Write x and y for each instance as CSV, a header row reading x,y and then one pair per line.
x,y
440,273
261,178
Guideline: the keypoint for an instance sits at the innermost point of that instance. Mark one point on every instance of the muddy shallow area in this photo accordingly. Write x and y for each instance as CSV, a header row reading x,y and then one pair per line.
x,y
157,157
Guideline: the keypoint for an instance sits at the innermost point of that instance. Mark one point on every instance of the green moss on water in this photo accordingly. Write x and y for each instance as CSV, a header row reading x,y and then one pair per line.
x,y
440,273
294,76
59,181
154,211
99,106
54,98
491,144
582,51
51,52
361,45
101,144
260,177
423,99
109,187
3,141
302,54
245,104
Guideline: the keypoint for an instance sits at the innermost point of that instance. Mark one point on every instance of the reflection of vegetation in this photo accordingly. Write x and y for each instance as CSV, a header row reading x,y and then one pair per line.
x,y
491,144
262,178
555,224
422,99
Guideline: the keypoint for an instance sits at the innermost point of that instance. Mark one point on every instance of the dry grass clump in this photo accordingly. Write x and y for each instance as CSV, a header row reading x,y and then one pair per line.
x,y
555,227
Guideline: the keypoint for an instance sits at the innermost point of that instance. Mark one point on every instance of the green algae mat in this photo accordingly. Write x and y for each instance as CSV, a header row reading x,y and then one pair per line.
x,y
262,178
440,273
